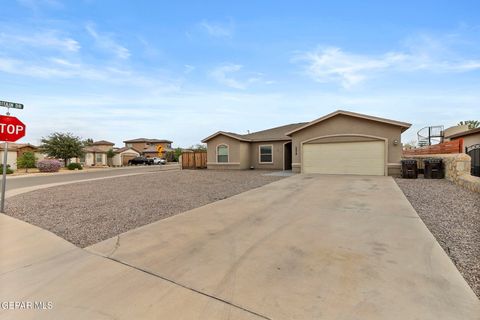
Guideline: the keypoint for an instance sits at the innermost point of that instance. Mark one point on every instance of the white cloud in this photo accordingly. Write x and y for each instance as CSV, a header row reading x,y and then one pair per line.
x,y
217,29
47,39
106,42
230,75
332,64
188,69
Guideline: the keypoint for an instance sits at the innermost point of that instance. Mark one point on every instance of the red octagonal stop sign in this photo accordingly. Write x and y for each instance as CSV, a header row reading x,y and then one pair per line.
x,y
11,129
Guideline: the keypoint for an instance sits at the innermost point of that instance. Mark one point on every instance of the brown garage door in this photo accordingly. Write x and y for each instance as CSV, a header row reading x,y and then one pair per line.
x,y
126,158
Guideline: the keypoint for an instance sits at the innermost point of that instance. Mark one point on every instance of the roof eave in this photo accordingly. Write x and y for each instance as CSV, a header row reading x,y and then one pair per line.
x,y
224,134
403,125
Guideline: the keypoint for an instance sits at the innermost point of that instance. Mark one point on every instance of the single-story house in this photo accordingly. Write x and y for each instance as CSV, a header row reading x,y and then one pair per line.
x,y
470,137
471,142
16,150
123,155
341,142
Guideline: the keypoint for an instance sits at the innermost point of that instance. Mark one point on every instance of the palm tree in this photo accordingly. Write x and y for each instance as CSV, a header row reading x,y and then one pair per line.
x,y
472,124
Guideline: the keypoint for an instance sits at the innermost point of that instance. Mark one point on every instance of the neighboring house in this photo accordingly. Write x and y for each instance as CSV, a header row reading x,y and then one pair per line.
x,y
16,150
123,155
471,142
95,154
148,147
341,142
470,137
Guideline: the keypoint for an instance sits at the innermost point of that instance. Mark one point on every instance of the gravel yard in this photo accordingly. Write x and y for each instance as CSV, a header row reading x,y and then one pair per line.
x,y
88,212
452,214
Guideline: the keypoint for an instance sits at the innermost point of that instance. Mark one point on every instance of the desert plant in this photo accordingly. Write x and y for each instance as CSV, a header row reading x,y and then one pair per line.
x,y
26,161
74,166
9,171
48,165
472,124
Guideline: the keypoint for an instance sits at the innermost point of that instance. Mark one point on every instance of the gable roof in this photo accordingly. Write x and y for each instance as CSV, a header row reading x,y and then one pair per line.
x,y
465,133
403,125
120,150
94,149
277,133
273,134
103,143
148,140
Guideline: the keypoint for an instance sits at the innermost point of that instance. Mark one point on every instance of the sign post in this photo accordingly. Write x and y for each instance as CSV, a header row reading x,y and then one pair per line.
x,y
11,129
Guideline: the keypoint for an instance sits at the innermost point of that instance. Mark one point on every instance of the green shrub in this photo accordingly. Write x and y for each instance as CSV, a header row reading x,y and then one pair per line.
x,y
9,171
74,165
26,161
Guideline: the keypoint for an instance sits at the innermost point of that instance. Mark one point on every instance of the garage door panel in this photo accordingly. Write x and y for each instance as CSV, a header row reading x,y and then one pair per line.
x,y
367,158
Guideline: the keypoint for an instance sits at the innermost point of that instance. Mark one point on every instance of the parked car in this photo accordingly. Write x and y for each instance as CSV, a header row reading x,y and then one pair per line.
x,y
140,160
159,161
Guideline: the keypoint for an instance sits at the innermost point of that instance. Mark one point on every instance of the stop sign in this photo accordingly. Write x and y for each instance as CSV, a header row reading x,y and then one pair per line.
x,y
11,129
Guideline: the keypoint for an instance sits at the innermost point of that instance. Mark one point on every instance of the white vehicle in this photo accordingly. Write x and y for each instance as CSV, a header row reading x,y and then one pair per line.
x,y
159,161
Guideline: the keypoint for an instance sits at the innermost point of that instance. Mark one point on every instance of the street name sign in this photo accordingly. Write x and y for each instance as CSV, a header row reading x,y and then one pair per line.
x,y
8,104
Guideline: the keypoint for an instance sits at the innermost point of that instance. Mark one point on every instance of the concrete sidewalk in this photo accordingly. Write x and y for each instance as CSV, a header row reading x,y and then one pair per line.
x,y
305,247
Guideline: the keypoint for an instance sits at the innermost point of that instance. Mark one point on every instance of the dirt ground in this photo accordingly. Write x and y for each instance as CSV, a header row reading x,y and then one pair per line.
x,y
89,212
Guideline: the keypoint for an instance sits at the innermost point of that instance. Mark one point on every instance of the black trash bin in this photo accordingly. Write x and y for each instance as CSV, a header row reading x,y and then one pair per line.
x,y
409,169
433,169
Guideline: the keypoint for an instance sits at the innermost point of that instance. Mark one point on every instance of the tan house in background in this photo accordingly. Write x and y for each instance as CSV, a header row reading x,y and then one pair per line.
x,y
148,147
95,154
123,155
470,137
341,142
16,150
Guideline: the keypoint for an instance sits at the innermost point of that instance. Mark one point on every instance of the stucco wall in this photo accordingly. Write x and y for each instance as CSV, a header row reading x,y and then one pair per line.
x,y
104,147
277,159
470,139
342,124
118,157
11,159
237,153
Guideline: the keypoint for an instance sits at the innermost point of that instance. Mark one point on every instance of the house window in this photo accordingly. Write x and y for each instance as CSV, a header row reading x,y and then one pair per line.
x,y
222,153
266,154
99,158
129,145
82,158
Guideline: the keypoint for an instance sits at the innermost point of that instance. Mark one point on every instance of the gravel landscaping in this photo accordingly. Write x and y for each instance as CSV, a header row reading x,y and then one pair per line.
x,y
452,214
88,212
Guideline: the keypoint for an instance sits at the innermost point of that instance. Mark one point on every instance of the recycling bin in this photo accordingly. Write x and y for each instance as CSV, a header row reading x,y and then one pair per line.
x,y
409,169
433,169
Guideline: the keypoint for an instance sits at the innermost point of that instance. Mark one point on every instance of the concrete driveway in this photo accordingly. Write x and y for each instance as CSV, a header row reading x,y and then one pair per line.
x,y
305,247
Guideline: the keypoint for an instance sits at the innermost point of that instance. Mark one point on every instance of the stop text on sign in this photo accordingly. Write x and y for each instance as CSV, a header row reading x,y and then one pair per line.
x,y
11,128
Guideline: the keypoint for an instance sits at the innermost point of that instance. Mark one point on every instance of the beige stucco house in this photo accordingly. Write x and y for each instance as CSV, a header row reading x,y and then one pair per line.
x,y
123,155
16,150
341,142
470,137
149,147
95,154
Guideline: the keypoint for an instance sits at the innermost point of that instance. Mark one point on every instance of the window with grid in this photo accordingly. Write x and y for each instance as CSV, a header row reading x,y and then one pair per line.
x,y
266,155
222,153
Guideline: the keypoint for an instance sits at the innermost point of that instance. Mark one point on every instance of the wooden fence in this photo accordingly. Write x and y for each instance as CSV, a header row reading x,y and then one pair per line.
x,y
194,160
455,146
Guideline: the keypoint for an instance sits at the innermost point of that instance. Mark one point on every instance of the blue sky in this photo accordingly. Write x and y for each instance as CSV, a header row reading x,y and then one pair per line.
x,y
119,70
